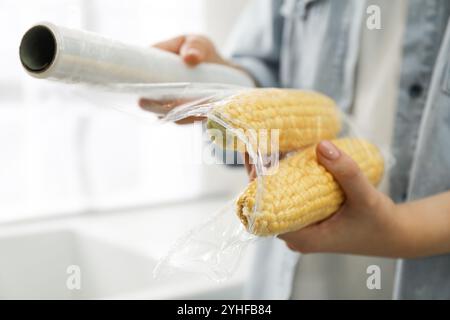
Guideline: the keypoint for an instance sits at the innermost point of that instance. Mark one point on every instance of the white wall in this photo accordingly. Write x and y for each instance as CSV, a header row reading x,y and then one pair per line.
x,y
219,17
62,152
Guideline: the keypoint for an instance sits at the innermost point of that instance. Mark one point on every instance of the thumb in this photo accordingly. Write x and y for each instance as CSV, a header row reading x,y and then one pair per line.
x,y
196,49
172,45
345,170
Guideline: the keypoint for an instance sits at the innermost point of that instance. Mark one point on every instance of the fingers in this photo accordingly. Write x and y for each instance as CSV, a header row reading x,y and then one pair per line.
x,y
306,240
247,164
190,120
332,234
196,49
346,172
252,173
155,106
249,167
161,108
172,45
193,49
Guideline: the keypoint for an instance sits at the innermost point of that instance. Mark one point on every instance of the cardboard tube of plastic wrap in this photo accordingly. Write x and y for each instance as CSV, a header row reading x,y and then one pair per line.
x,y
52,52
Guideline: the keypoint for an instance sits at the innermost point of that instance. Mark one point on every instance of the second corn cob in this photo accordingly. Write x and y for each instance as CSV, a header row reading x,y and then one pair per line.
x,y
302,191
301,117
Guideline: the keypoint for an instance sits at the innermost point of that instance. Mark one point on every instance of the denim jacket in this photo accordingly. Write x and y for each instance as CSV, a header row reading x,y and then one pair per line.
x,y
314,44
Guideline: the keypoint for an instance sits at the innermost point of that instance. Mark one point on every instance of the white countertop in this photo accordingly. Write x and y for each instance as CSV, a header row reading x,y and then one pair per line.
x,y
148,233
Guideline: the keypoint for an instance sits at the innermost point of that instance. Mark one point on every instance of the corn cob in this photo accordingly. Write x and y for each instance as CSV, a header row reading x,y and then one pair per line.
x,y
302,117
301,191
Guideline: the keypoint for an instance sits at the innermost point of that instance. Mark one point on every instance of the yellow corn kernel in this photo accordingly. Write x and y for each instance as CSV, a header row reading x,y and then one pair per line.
x,y
301,117
301,191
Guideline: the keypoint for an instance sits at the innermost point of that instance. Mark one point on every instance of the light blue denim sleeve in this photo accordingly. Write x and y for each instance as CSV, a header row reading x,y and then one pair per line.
x,y
255,43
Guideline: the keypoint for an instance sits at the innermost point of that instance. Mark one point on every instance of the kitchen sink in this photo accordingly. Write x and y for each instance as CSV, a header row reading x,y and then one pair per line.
x,y
45,266
115,255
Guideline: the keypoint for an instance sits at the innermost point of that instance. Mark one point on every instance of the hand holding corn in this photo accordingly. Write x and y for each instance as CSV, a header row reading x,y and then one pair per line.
x,y
363,220
369,223
299,191
365,224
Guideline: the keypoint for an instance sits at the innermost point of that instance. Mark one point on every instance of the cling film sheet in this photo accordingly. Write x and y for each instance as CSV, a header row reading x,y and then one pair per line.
x,y
49,51
278,129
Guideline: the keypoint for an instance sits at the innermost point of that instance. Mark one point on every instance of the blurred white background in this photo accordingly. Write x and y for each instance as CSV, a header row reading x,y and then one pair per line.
x,y
60,154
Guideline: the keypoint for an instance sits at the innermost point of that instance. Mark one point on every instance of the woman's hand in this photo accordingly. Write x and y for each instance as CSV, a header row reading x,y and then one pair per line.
x,y
368,223
193,49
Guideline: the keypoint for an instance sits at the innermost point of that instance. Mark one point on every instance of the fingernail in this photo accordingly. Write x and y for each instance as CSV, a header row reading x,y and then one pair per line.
x,y
192,56
328,150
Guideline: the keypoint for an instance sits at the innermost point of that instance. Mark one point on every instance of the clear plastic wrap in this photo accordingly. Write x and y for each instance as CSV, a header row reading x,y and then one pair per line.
x,y
48,51
215,247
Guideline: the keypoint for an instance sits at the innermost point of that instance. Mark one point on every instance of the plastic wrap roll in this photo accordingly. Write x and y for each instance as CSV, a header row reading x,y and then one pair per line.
x,y
54,52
